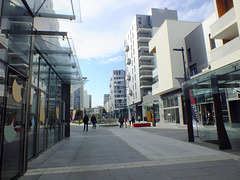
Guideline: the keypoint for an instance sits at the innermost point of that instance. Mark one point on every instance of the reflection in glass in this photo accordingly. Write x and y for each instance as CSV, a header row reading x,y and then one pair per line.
x,y
14,125
52,109
32,124
42,121
35,71
44,76
2,87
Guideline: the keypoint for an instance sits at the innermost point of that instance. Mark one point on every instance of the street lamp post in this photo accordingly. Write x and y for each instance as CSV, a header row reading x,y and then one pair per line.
x,y
187,101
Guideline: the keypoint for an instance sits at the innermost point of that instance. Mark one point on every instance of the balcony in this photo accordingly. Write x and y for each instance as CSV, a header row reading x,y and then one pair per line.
x,y
144,29
130,92
128,77
143,46
225,27
155,86
128,61
145,56
144,37
155,73
146,66
146,75
127,48
145,85
226,49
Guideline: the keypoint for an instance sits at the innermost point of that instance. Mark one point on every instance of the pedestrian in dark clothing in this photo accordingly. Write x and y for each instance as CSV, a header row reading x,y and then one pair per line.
x,y
121,120
94,121
85,121
133,120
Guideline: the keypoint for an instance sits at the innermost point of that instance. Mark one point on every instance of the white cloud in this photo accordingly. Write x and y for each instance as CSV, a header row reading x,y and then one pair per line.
x,y
112,60
197,14
106,22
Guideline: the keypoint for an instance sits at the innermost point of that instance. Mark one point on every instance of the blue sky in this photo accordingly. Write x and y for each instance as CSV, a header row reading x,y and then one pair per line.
x,y
99,38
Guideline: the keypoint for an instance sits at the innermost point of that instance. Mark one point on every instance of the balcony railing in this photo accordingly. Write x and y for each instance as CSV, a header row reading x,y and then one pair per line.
x,y
154,73
142,44
128,61
146,84
146,73
144,35
144,26
146,64
223,26
226,49
145,54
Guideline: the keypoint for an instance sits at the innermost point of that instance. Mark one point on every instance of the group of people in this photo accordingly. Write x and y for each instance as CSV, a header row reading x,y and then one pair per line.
x,y
121,121
93,120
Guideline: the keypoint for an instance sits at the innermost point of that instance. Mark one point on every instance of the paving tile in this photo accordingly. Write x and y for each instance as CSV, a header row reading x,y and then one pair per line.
x,y
132,154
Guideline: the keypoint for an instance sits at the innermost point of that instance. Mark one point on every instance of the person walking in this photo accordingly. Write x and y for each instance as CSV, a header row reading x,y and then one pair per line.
x,y
133,119
94,121
85,121
121,120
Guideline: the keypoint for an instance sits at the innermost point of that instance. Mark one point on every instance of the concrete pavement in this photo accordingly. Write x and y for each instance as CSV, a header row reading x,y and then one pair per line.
x,y
132,153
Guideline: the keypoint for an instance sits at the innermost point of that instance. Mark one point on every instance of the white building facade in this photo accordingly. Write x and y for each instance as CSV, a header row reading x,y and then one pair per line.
x,y
117,97
139,62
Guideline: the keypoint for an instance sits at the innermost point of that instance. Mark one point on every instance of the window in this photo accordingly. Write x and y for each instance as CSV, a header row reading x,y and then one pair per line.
x,y
139,20
189,55
212,42
193,70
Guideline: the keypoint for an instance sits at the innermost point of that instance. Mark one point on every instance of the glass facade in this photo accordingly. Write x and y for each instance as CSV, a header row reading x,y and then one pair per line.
x,y
217,97
14,126
171,109
33,69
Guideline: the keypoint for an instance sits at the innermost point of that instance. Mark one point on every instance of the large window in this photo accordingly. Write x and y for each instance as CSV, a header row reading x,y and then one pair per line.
x,y
171,109
12,159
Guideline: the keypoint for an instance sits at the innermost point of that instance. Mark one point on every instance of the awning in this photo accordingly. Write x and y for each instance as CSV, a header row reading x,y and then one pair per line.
x,y
227,77
60,54
60,9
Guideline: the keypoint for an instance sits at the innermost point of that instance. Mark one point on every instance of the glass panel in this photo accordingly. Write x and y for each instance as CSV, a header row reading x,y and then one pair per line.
x,y
17,25
44,76
14,126
57,122
35,70
2,95
67,9
32,128
43,114
52,109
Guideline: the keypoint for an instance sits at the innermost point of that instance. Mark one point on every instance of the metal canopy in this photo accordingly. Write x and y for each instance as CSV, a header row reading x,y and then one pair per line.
x,y
60,9
59,53
227,77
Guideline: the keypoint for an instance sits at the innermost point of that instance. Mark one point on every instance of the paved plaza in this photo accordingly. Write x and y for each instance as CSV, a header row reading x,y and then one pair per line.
x,y
113,153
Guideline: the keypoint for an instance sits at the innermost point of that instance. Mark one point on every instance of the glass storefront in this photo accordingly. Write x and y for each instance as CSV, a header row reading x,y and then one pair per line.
x,y
52,109
217,96
171,109
32,123
14,125
151,110
33,67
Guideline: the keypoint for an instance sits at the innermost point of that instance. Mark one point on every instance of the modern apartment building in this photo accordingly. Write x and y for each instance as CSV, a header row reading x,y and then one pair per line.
x,y
87,100
169,67
118,92
139,62
37,69
105,98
